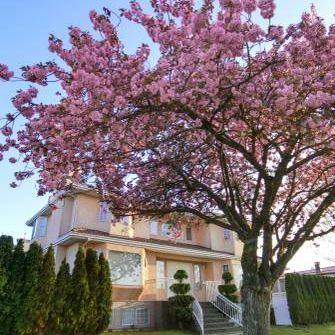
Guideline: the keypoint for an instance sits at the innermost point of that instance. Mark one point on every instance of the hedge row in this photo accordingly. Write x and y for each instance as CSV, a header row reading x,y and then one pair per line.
x,y
311,299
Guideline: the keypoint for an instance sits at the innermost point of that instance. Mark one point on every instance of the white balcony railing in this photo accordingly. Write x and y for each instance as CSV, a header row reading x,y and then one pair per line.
x,y
231,310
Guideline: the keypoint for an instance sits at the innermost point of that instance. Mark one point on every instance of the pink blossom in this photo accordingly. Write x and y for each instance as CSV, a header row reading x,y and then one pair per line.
x,y
7,131
267,8
5,74
96,116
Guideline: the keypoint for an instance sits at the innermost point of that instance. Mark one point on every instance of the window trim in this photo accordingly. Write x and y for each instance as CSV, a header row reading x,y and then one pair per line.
x,y
153,227
226,234
135,316
42,228
168,232
140,269
103,211
188,229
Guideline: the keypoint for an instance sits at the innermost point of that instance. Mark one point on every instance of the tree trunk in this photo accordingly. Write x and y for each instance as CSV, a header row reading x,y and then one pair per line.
x,y
256,293
256,310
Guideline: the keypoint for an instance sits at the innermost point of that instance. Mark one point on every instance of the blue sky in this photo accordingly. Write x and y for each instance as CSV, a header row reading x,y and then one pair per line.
x,y
24,30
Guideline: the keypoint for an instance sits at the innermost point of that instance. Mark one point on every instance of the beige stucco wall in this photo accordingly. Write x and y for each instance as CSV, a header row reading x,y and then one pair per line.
x,y
217,239
70,254
66,216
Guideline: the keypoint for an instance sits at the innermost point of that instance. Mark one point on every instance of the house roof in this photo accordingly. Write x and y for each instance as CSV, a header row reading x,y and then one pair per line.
x,y
147,243
46,210
329,270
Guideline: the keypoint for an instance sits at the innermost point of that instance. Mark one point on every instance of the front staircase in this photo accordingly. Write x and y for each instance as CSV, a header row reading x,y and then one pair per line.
x,y
215,322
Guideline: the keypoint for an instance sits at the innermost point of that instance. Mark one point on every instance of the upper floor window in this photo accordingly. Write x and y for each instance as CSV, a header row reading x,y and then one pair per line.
x,y
227,234
166,229
153,227
225,268
42,226
103,211
125,219
189,234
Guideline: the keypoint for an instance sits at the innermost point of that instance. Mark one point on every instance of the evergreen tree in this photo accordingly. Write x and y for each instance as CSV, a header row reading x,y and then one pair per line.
x,y
30,296
79,295
92,269
59,321
180,304
104,295
6,248
45,288
227,289
13,292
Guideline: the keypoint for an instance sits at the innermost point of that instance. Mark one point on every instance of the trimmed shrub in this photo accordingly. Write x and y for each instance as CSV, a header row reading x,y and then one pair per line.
x,y
310,298
227,289
180,304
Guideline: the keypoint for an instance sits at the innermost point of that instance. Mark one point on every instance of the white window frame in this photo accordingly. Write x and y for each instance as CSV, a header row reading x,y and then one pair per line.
x,y
125,219
226,234
225,268
103,211
42,226
153,226
164,231
191,234
122,281
134,316
200,273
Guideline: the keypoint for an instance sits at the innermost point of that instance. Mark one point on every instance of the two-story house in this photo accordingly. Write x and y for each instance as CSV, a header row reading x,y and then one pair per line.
x,y
141,254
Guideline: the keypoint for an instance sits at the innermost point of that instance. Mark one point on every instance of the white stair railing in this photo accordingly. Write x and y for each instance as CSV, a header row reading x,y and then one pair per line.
x,y
228,308
198,316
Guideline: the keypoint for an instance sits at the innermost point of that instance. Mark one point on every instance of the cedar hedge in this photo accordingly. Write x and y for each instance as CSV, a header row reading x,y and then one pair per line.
x,y
34,301
310,298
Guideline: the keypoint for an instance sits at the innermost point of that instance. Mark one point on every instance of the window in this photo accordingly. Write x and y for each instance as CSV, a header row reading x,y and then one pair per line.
x,y
99,251
103,211
42,226
124,220
142,316
225,268
226,234
160,274
135,316
189,234
125,268
33,234
153,227
197,275
166,229
128,317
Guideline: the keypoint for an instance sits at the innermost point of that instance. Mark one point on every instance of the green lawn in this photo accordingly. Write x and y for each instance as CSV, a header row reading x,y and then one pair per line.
x,y
161,332
311,330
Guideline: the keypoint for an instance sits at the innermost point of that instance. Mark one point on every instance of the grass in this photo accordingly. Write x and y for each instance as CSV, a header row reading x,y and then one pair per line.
x,y
160,332
308,330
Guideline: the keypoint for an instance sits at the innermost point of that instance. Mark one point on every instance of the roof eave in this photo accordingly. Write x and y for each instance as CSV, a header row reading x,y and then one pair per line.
x,y
72,236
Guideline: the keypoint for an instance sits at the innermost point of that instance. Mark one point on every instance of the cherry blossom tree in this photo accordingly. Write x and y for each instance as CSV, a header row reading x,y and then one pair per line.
x,y
233,125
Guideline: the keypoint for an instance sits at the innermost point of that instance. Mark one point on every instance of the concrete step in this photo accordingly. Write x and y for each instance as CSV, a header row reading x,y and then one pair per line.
x,y
225,324
224,332
218,327
222,323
